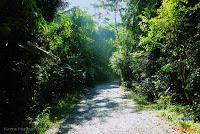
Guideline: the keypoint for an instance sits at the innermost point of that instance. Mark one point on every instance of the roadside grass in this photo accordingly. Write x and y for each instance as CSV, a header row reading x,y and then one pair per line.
x,y
53,115
177,115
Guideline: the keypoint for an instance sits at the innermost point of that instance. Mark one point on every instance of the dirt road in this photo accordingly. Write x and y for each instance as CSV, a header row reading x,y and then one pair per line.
x,y
107,110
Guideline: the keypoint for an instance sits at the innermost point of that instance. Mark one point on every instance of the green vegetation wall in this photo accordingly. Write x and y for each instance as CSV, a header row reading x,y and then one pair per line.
x,y
44,55
158,50
18,31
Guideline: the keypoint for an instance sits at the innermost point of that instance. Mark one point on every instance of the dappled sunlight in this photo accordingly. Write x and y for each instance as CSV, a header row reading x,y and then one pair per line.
x,y
61,60
99,104
107,109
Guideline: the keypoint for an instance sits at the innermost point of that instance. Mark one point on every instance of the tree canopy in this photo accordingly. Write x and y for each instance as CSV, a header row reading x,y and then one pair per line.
x,y
158,50
46,53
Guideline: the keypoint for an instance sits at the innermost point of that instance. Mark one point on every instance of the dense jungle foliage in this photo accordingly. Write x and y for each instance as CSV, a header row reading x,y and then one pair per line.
x,y
45,54
158,50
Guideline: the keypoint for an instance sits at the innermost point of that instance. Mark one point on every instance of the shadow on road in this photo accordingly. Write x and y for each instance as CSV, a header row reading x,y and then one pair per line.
x,y
95,104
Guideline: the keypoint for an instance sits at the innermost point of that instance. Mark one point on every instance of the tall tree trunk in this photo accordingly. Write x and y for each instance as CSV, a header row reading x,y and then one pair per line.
x,y
116,27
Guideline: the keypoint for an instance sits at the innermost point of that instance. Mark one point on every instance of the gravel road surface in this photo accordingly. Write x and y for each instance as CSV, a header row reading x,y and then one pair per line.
x,y
107,110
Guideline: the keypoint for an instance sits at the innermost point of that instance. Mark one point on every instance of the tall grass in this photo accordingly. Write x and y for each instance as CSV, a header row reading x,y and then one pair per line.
x,y
54,115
